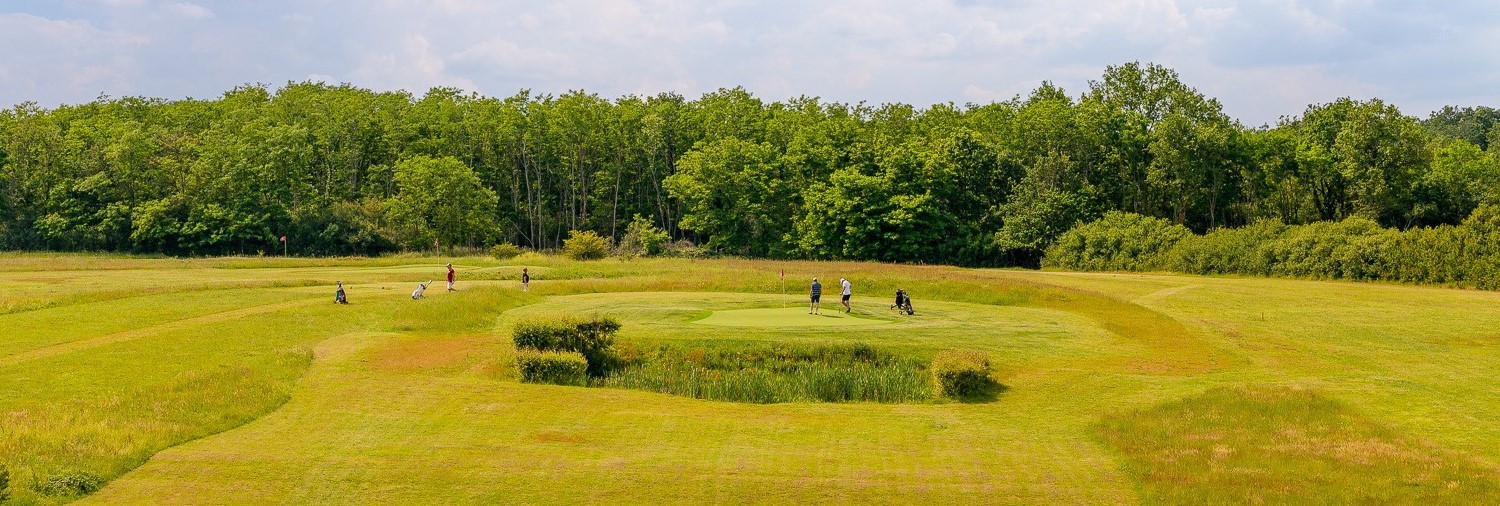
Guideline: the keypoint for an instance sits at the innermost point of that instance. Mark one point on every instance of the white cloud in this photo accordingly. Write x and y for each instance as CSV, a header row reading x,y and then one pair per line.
x,y
187,10
507,56
413,66
72,59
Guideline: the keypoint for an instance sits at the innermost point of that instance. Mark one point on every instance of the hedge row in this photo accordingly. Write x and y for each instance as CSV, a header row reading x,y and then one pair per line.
x,y
1466,255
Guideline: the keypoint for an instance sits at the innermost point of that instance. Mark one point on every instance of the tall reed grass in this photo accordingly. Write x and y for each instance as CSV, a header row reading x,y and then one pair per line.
x,y
778,373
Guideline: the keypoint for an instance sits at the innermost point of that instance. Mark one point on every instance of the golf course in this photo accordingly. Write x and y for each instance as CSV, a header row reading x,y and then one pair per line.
x,y
238,380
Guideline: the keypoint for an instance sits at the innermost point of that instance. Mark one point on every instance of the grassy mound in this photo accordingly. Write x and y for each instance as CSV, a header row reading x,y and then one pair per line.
x,y
1279,446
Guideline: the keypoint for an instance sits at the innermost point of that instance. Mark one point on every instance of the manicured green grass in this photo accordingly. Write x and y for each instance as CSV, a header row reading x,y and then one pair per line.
x,y
238,381
784,317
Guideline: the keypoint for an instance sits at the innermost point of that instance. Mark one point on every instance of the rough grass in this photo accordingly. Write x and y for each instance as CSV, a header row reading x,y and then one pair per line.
x,y
1273,445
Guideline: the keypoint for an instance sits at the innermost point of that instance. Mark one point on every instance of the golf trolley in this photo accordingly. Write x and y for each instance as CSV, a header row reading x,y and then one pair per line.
x,y
903,303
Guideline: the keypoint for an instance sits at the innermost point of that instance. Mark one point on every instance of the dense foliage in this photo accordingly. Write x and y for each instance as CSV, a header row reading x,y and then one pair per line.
x,y
1356,248
585,245
555,367
346,170
592,337
1116,242
71,483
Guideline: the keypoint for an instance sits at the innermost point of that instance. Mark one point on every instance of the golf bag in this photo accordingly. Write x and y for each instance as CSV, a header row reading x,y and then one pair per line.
x,y
903,303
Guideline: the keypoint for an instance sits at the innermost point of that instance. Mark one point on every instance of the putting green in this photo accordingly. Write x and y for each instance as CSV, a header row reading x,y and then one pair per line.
x,y
784,317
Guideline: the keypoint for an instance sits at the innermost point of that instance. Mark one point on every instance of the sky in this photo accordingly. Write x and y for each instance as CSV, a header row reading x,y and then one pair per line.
x,y
1262,59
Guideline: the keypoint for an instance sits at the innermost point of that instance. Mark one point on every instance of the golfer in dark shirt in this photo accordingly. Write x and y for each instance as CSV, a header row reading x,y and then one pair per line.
x,y
817,296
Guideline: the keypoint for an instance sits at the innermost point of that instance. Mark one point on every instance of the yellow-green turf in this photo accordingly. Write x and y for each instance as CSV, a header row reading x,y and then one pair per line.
x,y
237,380
785,317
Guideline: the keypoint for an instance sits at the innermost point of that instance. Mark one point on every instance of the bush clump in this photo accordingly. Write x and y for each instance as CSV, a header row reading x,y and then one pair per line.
x,y
962,374
70,483
684,249
4,483
1227,250
592,337
642,238
505,250
1116,242
585,245
555,367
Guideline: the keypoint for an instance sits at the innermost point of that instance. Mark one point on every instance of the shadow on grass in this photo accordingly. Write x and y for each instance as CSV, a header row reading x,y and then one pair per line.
x,y
990,392
1256,444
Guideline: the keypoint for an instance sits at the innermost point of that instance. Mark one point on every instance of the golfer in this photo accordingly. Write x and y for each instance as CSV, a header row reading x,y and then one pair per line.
x,y
525,280
847,291
450,277
817,297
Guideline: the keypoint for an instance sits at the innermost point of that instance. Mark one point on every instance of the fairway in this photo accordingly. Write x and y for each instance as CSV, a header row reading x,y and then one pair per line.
x,y
239,381
784,317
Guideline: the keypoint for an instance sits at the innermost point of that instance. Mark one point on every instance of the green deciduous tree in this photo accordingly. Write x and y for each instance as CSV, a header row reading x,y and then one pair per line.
x,y
440,199
734,193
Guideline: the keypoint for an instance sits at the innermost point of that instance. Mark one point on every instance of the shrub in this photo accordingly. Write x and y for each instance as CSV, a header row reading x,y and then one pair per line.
x,y
585,245
1115,242
683,249
505,250
592,337
1346,249
642,238
70,483
1227,250
555,367
962,374
4,484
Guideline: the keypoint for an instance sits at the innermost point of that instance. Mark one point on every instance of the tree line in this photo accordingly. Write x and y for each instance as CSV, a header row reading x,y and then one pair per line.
x,y
338,169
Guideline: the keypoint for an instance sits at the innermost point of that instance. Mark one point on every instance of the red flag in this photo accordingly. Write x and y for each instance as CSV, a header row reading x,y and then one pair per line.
x,y
283,238
434,243
783,274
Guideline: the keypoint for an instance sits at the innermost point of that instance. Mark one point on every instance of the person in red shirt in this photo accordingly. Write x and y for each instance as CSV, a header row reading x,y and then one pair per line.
x,y
450,277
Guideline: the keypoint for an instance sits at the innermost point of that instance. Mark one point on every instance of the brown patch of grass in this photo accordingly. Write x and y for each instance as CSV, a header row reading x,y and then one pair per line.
x,y
428,354
1280,445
